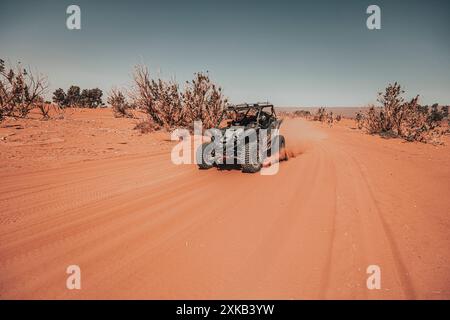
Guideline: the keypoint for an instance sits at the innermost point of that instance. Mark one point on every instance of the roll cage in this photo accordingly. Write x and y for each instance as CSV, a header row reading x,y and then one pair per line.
x,y
251,113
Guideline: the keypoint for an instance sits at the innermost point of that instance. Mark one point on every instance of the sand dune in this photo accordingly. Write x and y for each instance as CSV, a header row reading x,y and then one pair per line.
x,y
140,227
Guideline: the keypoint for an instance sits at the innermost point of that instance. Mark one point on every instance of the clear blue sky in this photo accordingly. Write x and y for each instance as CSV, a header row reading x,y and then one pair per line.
x,y
292,53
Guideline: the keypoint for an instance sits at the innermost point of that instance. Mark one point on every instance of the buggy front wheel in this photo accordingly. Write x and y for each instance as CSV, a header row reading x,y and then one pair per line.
x,y
203,161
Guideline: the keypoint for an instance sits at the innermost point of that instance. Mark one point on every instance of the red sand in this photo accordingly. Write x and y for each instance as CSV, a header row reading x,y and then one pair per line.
x,y
91,191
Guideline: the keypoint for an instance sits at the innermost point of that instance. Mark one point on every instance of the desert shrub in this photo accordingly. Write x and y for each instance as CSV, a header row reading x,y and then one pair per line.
x,y
168,107
359,120
329,118
44,108
406,119
320,115
323,115
372,120
393,109
203,100
119,104
302,113
160,100
435,115
424,124
147,126
444,111
20,90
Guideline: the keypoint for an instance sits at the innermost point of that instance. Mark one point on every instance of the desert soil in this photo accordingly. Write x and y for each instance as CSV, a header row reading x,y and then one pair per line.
x,y
91,191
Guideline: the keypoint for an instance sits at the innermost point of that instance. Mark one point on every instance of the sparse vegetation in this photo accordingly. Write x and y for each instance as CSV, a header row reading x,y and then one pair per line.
x,y
201,99
405,119
302,114
168,107
321,115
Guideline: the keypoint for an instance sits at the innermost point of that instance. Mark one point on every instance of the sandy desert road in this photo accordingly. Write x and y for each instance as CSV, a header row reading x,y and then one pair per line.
x,y
140,227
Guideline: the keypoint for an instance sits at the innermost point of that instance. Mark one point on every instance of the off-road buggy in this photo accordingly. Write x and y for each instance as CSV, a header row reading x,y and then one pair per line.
x,y
245,136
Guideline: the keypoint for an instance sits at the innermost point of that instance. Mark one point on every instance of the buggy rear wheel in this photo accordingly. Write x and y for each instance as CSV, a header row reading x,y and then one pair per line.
x,y
283,155
252,163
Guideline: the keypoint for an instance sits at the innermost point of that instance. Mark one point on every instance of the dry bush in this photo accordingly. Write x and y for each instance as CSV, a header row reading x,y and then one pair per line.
x,y
320,115
323,115
160,100
372,120
168,108
393,109
359,120
44,108
302,114
330,118
406,119
120,106
147,126
424,123
20,90
203,100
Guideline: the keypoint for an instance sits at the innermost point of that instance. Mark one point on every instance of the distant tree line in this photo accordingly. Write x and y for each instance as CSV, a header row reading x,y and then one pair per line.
x,y
75,97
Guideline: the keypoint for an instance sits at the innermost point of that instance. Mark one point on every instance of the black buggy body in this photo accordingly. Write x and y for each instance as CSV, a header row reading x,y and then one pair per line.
x,y
245,135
